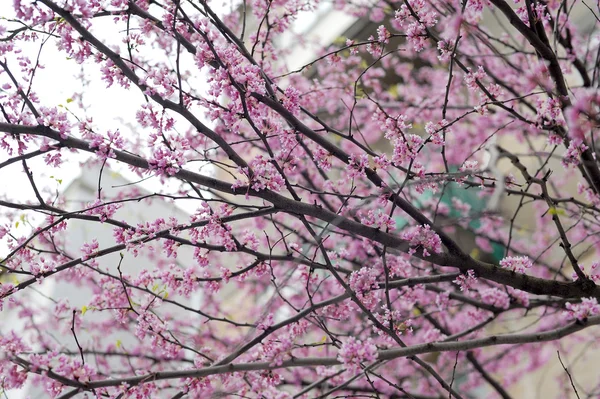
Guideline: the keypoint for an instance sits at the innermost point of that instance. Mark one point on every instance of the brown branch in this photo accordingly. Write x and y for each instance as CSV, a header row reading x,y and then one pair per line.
x,y
386,354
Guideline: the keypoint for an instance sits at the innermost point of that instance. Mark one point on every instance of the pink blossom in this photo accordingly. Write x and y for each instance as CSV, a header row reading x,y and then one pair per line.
x,y
422,237
364,284
265,175
594,274
495,297
89,249
518,264
473,78
292,100
55,119
573,154
357,165
378,219
354,352
466,281
383,35
581,311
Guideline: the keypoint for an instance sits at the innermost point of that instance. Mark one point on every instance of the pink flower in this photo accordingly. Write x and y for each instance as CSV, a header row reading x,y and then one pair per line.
x,y
89,249
364,284
581,311
466,281
265,176
495,297
517,264
354,352
473,78
378,219
357,165
383,35
571,157
424,237
55,119
291,101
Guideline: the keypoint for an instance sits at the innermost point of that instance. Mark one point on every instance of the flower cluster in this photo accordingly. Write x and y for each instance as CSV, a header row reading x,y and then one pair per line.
x,y
423,237
472,79
166,162
102,210
466,281
383,35
323,159
573,154
354,352
518,264
11,345
378,219
213,229
357,166
364,284
291,101
581,311
495,297
446,48
582,118
264,176
416,30
537,12
105,146
594,274
89,249
55,119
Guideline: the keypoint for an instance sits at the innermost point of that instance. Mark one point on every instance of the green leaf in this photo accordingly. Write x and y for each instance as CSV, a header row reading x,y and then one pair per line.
x,y
556,211
340,41
393,91
360,93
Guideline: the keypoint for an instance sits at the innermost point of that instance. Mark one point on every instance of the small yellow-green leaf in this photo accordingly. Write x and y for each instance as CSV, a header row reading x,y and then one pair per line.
x,y
69,100
393,91
360,93
556,211
323,340
339,41
83,309
119,343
